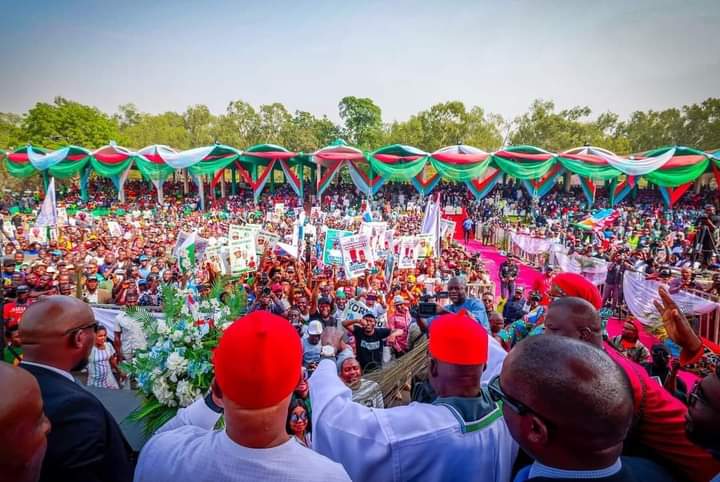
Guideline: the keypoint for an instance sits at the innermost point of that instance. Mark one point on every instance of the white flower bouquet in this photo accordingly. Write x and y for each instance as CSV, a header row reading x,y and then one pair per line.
x,y
176,368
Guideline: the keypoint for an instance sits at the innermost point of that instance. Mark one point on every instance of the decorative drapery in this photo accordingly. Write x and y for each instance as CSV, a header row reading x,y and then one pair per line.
x,y
593,269
640,295
531,244
671,167
481,188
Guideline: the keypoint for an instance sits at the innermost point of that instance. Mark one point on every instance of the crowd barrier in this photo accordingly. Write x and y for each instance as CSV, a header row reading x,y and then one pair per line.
x,y
708,325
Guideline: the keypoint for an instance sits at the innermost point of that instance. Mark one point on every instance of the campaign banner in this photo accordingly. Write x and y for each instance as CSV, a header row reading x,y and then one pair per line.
x,y
407,252
114,229
62,216
266,240
355,310
424,247
389,268
331,250
214,256
388,243
357,255
37,235
375,230
243,254
447,228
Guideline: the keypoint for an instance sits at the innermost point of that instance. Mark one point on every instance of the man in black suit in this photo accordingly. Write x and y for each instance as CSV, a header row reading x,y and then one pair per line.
x,y
570,406
85,443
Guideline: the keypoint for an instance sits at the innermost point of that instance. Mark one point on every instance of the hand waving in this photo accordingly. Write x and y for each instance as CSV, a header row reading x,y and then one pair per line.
x,y
676,324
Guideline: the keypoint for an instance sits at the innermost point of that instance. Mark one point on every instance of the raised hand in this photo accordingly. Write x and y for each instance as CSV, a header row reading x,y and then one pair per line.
x,y
676,325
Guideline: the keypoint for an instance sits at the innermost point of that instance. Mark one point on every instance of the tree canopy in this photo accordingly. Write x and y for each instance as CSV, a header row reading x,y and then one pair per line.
x,y
242,125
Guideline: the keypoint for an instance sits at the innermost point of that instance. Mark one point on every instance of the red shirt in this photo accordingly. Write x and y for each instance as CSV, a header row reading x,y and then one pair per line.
x,y
12,312
659,425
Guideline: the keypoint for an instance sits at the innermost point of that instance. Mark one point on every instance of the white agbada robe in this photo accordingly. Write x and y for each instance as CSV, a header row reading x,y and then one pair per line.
x,y
416,442
188,449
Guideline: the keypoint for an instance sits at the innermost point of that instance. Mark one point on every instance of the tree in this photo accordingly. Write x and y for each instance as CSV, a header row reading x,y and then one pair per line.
x,y
274,122
239,126
67,122
362,122
11,132
128,115
168,129
446,124
559,131
199,125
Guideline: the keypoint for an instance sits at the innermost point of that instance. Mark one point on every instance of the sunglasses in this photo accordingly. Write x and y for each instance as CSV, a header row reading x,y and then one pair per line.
x,y
498,395
294,418
93,325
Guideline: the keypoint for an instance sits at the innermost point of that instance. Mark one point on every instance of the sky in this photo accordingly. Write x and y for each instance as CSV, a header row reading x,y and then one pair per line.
x,y
618,56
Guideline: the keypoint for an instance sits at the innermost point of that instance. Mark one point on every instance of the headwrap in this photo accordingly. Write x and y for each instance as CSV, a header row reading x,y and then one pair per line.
x,y
573,284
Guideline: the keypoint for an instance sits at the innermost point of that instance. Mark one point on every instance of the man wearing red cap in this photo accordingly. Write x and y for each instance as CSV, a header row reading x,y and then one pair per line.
x,y
460,436
257,367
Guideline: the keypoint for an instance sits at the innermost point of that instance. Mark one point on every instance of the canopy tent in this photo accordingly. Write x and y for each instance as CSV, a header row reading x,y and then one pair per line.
x,y
671,168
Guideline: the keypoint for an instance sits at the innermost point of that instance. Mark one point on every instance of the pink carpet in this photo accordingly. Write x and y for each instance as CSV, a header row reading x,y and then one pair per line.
x,y
493,259
526,278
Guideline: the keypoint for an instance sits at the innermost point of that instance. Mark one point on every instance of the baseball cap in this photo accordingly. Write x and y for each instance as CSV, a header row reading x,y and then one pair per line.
x,y
324,301
340,294
257,362
458,340
315,328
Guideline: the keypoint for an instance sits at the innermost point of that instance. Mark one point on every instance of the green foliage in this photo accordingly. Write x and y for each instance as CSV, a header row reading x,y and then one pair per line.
x,y
11,131
363,122
168,128
447,124
67,122
555,131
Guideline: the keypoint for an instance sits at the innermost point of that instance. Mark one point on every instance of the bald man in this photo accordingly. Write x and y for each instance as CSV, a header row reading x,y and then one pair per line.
x,y
460,303
570,407
660,417
86,443
23,426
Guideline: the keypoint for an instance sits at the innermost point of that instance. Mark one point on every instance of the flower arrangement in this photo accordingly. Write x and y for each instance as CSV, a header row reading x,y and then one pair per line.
x,y
176,367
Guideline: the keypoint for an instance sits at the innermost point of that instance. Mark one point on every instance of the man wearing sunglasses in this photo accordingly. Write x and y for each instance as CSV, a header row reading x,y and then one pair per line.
x,y
570,407
86,443
703,418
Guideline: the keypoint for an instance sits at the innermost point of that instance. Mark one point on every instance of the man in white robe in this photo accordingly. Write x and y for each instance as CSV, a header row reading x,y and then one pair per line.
x,y
460,436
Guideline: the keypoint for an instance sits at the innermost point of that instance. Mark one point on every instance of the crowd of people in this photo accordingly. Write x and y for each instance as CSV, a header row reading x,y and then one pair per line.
x,y
522,384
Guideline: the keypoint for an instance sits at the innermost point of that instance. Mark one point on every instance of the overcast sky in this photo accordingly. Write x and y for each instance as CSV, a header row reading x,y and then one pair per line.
x,y
165,55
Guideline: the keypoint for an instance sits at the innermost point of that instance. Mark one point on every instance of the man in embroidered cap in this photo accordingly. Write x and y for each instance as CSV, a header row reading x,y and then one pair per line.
x,y
257,367
463,428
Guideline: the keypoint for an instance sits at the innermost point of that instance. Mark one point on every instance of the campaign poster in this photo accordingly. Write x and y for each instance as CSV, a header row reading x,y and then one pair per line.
x,y
425,243
376,233
387,245
357,255
266,241
62,216
447,228
407,252
214,256
114,229
331,250
37,235
241,246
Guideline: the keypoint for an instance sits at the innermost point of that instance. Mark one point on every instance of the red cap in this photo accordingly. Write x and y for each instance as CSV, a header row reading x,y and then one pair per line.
x,y
258,360
458,340
276,288
578,286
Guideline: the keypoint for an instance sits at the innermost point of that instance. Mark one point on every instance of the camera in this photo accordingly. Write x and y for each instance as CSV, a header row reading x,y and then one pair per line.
x,y
535,297
266,291
427,309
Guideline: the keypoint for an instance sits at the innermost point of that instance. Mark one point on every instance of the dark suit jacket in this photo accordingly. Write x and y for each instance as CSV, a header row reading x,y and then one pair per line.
x,y
634,469
85,443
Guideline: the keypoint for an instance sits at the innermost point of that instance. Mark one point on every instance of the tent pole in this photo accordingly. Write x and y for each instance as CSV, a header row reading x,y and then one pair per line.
x,y
233,184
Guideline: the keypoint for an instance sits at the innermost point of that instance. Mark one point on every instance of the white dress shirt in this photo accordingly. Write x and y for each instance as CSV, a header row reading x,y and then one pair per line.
x,y
187,448
415,442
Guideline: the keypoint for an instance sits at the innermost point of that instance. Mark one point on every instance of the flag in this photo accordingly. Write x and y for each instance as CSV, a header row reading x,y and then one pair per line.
x,y
431,221
48,212
599,220
186,252
367,214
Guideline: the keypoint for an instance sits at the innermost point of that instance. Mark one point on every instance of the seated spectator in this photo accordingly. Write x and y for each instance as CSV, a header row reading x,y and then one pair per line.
x,y
576,430
254,445
23,426
365,392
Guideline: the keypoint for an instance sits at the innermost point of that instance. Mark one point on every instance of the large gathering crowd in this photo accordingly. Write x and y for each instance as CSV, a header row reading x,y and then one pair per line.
x,y
520,382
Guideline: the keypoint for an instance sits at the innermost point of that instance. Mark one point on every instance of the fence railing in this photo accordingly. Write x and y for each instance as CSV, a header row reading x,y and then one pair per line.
x,y
708,324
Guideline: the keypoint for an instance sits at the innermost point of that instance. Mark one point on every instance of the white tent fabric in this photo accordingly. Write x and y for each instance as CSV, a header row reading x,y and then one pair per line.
x,y
640,293
594,269
636,167
531,244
